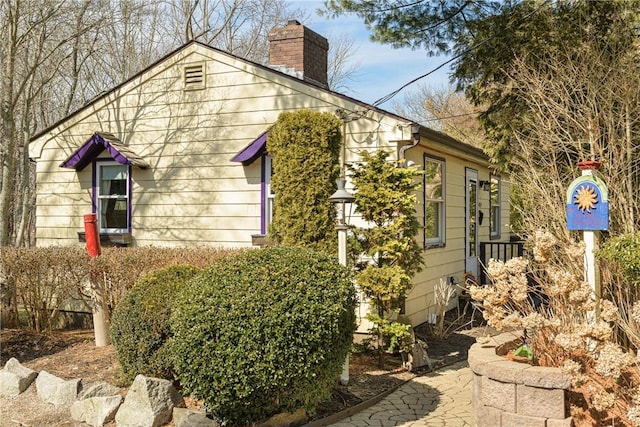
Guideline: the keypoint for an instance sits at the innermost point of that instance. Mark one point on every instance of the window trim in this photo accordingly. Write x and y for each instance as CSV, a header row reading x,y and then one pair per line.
x,y
495,234
95,202
440,241
267,196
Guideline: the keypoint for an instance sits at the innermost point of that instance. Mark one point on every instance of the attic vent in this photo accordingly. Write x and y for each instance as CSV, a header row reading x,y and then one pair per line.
x,y
194,76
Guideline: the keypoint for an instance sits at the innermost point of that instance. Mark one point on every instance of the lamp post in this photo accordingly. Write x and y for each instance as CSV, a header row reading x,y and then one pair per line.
x,y
340,198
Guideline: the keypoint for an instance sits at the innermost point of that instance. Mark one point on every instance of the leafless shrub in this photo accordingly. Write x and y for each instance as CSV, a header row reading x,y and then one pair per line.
x,y
547,297
44,278
47,277
118,269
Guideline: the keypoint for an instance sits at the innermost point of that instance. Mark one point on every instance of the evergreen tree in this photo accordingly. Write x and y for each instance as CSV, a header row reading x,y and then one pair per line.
x,y
305,147
487,38
385,197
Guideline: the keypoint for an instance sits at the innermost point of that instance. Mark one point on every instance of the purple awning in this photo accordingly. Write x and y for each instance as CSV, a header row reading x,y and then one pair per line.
x,y
252,151
96,145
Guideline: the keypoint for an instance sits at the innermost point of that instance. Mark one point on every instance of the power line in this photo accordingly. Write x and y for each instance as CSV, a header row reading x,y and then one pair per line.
x,y
477,45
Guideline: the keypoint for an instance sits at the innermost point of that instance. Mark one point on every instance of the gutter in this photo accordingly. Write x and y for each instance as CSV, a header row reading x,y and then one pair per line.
x,y
415,133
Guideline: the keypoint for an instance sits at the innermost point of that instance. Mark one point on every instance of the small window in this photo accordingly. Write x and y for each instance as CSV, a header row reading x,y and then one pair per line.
x,y
112,197
434,202
494,206
194,77
268,195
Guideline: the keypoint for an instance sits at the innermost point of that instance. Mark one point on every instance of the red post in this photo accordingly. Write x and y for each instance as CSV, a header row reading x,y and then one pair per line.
x,y
91,235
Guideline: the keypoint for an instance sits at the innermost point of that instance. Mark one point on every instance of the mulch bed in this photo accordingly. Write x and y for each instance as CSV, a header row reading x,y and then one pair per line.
x,y
72,354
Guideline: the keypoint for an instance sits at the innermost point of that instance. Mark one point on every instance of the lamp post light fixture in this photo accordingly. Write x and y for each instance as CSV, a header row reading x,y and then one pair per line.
x,y
341,198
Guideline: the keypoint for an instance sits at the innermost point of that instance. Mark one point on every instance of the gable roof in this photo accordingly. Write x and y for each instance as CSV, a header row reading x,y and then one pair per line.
x,y
96,145
424,131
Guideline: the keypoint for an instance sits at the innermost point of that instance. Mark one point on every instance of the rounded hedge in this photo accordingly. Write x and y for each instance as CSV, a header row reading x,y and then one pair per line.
x,y
263,332
140,325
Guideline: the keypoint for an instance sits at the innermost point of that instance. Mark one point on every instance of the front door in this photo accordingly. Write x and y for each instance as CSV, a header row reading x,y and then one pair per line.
x,y
471,226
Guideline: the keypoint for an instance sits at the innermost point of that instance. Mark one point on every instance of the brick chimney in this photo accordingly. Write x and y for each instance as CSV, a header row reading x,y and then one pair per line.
x,y
299,51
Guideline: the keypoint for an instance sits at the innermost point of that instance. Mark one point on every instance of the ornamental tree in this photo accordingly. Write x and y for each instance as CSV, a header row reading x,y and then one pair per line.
x,y
305,147
385,197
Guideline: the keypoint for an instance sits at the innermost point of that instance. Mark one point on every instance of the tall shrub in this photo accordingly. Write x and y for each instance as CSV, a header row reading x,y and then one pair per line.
x,y
385,197
263,332
305,147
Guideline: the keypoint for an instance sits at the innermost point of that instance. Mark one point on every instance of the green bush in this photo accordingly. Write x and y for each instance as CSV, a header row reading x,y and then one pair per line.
x,y
140,325
623,254
263,332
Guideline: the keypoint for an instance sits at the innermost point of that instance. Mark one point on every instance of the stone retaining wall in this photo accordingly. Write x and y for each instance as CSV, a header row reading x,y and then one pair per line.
x,y
507,393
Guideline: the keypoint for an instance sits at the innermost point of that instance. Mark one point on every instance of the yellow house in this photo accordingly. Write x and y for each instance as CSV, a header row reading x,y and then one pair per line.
x,y
175,156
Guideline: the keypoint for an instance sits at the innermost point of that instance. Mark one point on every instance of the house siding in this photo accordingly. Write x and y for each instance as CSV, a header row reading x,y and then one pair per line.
x,y
192,194
449,260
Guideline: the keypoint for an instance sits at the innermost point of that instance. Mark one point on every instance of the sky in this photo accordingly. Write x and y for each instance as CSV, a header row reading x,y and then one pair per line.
x,y
382,69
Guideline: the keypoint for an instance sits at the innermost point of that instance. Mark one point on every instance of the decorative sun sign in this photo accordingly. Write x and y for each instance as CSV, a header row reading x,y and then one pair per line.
x,y
587,204
586,198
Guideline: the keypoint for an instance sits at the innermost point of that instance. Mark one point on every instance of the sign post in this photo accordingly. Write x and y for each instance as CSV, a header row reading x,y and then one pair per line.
x,y
92,237
588,210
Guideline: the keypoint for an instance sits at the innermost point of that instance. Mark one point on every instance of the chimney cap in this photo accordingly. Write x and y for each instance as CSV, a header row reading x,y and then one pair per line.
x,y
293,22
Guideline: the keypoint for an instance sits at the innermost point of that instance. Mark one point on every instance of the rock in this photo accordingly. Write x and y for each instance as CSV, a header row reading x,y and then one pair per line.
x,y
56,391
287,419
149,403
96,411
183,417
99,389
418,356
15,378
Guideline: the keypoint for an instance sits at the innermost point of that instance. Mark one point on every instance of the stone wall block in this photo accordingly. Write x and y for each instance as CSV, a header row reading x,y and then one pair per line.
x,y
56,391
534,401
505,370
567,422
536,393
544,377
96,411
149,403
517,420
487,416
99,389
499,395
15,378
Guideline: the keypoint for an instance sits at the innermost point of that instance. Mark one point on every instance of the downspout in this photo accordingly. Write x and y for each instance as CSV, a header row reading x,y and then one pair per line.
x,y
415,133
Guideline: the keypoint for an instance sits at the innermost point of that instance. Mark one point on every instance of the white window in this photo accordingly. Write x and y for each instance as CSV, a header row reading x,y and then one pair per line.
x,y
112,197
434,201
268,195
494,206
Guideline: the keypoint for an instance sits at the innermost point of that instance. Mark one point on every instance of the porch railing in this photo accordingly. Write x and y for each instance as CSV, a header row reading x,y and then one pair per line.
x,y
502,251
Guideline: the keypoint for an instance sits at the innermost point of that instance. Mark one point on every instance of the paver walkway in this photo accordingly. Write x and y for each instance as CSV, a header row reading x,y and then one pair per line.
x,y
441,398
